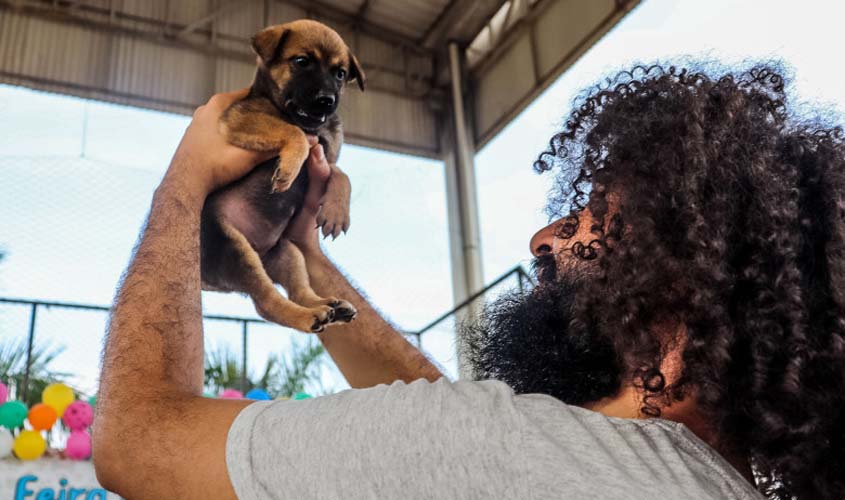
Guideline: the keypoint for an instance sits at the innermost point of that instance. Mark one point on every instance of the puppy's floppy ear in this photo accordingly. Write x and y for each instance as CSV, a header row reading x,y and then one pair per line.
x,y
355,71
269,43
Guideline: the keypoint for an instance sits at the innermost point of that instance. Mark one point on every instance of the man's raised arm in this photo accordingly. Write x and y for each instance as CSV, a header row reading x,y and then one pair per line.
x,y
369,351
155,435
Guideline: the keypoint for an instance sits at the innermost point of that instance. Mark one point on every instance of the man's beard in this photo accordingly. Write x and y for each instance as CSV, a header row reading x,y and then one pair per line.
x,y
535,343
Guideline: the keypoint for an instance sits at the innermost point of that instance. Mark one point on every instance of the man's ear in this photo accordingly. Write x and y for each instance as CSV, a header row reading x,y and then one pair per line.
x,y
355,71
269,43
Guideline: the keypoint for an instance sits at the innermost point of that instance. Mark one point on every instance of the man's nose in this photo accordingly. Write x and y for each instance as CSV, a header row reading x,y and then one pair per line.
x,y
543,240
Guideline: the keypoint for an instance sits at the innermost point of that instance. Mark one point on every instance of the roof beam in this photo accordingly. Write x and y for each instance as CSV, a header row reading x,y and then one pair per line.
x,y
374,30
199,23
460,21
362,11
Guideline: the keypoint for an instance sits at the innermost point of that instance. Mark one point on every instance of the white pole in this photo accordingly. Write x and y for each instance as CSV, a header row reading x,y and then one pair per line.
x,y
467,273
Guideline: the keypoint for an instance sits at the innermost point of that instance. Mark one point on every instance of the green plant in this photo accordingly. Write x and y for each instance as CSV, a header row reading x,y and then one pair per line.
x,y
283,375
222,370
13,367
300,367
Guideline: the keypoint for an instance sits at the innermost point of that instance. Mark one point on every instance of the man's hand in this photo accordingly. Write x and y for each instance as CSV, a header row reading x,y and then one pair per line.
x,y
204,159
303,229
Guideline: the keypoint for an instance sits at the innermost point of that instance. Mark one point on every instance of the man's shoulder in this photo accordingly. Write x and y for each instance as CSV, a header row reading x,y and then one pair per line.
x,y
467,436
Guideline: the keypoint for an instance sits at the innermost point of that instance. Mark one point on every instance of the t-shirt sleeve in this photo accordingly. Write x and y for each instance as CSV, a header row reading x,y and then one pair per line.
x,y
418,440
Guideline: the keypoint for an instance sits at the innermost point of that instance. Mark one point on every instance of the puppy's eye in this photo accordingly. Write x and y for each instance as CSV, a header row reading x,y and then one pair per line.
x,y
341,74
302,62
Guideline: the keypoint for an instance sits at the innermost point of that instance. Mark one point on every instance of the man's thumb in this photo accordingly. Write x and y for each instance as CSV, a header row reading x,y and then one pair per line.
x,y
318,174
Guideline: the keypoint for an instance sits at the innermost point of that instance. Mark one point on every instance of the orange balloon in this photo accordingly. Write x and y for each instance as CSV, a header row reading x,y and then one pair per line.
x,y
42,417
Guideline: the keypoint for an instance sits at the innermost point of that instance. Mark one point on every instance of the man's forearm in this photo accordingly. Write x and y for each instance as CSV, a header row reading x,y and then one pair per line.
x,y
154,343
367,351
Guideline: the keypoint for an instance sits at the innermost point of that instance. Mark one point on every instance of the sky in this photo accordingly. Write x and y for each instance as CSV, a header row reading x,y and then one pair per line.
x,y
76,178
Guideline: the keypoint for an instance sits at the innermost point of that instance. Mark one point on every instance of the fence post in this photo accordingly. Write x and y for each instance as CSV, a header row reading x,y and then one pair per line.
x,y
243,366
24,390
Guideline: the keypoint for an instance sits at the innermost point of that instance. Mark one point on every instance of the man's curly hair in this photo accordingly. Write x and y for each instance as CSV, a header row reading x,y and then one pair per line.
x,y
731,222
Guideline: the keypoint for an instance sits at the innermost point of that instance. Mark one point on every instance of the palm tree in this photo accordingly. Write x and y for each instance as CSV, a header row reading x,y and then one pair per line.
x,y
13,368
283,376
300,367
221,370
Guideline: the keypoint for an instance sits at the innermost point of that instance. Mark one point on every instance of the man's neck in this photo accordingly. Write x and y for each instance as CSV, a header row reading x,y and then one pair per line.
x,y
628,402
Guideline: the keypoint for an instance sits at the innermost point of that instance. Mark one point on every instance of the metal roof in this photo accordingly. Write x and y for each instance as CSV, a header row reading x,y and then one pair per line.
x,y
173,54
408,18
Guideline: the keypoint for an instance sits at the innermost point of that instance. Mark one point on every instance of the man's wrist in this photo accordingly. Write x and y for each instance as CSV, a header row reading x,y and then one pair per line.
x,y
313,253
180,185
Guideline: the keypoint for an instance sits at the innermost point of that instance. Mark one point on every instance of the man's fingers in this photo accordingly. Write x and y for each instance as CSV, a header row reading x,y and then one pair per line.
x,y
218,103
225,99
318,173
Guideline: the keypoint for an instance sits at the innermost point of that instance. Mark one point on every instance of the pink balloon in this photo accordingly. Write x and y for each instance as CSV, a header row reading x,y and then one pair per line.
x,y
4,393
78,416
78,445
231,394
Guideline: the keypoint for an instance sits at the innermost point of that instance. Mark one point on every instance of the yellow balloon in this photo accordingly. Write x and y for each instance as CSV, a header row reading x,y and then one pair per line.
x,y
282,398
57,396
29,445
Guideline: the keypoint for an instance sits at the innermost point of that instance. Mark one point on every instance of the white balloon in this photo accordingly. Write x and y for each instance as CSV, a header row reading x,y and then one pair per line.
x,y
6,442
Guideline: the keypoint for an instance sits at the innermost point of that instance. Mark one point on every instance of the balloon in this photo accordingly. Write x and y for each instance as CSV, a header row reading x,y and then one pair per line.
x,y
92,401
78,416
78,445
259,394
12,414
29,445
4,393
6,442
59,396
282,398
231,394
301,395
42,417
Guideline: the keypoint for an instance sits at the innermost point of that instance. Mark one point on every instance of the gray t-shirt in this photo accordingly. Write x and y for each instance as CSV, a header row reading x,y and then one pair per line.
x,y
466,440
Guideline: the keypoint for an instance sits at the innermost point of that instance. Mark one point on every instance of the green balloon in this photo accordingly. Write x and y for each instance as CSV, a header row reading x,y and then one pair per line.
x,y
92,401
301,395
12,414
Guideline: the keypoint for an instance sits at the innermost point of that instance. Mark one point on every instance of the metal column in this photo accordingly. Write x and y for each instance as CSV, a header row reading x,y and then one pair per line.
x,y
462,200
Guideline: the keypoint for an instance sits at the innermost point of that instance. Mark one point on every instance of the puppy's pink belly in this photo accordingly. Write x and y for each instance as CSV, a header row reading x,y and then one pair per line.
x,y
261,233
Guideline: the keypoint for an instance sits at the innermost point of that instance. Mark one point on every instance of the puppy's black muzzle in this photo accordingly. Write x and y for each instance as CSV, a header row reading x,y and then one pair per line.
x,y
316,110
324,104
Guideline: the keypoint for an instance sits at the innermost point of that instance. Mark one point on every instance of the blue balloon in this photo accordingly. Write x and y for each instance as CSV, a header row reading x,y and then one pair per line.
x,y
259,394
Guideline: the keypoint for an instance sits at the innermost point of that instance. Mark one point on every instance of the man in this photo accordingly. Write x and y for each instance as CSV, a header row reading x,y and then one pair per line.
x,y
685,341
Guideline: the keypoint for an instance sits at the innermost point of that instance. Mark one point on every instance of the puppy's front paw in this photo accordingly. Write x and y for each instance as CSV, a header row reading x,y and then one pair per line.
x,y
281,181
291,159
333,218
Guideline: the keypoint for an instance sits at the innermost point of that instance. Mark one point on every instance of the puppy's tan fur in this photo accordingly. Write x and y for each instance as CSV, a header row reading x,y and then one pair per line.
x,y
243,225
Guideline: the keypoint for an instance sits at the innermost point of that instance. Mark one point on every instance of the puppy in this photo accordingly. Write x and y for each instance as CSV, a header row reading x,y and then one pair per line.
x,y
303,67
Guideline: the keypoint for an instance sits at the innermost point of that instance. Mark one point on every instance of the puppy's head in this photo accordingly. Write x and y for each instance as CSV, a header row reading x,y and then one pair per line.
x,y
309,64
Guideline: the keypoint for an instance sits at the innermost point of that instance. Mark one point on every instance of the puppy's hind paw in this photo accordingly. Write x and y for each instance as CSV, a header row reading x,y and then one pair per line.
x,y
323,315
343,311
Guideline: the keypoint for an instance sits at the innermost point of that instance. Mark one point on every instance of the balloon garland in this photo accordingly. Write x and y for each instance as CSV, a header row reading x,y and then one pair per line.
x,y
22,429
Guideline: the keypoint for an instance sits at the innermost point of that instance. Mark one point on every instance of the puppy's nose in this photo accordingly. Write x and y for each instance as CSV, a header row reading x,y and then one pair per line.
x,y
324,101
